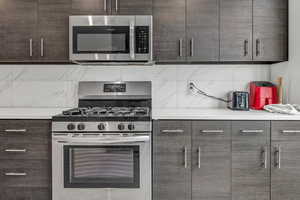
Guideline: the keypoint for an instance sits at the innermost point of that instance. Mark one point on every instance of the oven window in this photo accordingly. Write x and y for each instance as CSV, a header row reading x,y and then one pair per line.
x,y
101,39
101,167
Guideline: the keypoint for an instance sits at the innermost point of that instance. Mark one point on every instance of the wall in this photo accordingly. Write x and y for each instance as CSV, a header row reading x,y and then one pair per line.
x,y
290,71
56,85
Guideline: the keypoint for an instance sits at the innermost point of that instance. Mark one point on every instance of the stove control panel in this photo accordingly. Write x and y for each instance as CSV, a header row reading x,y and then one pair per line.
x,y
109,126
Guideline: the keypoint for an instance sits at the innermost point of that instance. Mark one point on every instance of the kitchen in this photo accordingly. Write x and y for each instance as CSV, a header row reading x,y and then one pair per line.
x,y
200,148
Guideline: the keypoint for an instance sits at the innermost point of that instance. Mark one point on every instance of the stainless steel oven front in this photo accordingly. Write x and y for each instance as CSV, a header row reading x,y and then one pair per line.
x,y
110,38
101,167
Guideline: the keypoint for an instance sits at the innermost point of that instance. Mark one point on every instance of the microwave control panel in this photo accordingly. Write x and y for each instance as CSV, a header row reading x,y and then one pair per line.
x,y
142,39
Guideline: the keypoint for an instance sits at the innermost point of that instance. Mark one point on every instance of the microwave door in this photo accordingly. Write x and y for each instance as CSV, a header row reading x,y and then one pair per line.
x,y
102,42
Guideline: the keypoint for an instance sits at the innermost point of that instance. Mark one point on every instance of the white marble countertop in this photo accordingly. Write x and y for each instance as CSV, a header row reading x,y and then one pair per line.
x,y
29,113
188,114
219,114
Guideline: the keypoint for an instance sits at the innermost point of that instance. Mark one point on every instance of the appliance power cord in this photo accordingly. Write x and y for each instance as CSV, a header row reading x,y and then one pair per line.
x,y
199,91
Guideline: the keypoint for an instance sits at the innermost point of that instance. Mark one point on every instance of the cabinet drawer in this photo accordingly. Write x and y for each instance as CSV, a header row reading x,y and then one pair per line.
x,y
172,135
24,173
11,193
247,130
215,130
27,151
286,130
27,131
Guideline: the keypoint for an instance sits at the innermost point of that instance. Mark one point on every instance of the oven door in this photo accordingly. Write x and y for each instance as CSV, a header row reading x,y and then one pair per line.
x,y
102,38
101,166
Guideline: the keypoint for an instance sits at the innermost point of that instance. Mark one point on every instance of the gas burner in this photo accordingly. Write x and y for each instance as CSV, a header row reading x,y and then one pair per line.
x,y
107,112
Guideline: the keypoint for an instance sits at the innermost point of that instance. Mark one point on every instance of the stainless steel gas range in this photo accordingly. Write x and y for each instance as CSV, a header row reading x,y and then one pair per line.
x,y
102,149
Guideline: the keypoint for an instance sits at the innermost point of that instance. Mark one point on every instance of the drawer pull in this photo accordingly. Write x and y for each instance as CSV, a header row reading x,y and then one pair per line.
x,y
264,155
199,157
252,131
185,152
277,154
15,130
173,131
15,174
290,131
15,150
212,131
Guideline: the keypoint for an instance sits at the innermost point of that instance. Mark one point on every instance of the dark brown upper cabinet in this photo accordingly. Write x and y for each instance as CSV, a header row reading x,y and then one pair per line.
x,y
111,7
220,31
236,30
254,30
18,25
270,30
53,32
180,35
91,7
131,7
169,31
34,30
202,30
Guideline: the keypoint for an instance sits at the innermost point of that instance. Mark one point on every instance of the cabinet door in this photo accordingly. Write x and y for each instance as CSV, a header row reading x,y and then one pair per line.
x,y
203,30
250,160
91,7
131,7
285,160
270,29
171,160
53,26
19,30
169,30
211,160
236,30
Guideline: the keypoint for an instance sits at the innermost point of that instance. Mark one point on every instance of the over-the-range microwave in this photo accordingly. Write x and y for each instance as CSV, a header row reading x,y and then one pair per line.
x,y
97,38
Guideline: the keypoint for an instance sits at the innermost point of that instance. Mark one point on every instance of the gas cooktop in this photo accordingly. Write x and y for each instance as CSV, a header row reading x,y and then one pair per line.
x,y
104,113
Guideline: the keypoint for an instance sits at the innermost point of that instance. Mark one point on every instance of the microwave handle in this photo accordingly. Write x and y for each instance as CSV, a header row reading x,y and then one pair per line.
x,y
132,40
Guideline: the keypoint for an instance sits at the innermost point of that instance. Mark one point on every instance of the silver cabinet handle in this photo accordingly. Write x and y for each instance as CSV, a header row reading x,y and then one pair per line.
x,y
290,131
180,47
15,150
257,47
245,47
132,44
15,130
30,47
252,131
277,153
15,174
264,155
185,152
199,157
117,2
42,47
105,5
212,131
192,47
173,131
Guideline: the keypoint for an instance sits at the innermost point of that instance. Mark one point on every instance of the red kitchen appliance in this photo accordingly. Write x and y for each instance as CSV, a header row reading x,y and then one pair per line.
x,y
262,93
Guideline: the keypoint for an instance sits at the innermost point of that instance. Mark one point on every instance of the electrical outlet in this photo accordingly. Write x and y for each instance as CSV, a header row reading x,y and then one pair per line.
x,y
191,85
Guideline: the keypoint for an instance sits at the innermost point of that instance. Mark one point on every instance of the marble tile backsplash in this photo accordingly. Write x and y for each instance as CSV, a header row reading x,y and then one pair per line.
x,y
56,85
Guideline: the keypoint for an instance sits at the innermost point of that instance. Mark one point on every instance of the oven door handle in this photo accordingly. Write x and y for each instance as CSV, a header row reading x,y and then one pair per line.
x,y
138,139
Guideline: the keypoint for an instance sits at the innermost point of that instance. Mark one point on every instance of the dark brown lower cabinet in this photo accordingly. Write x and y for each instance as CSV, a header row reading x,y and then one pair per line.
x,y
285,163
191,164
211,160
250,160
171,160
25,160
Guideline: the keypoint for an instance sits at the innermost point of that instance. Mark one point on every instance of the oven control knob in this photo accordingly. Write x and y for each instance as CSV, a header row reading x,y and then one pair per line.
x,y
71,127
131,127
121,127
80,127
101,126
